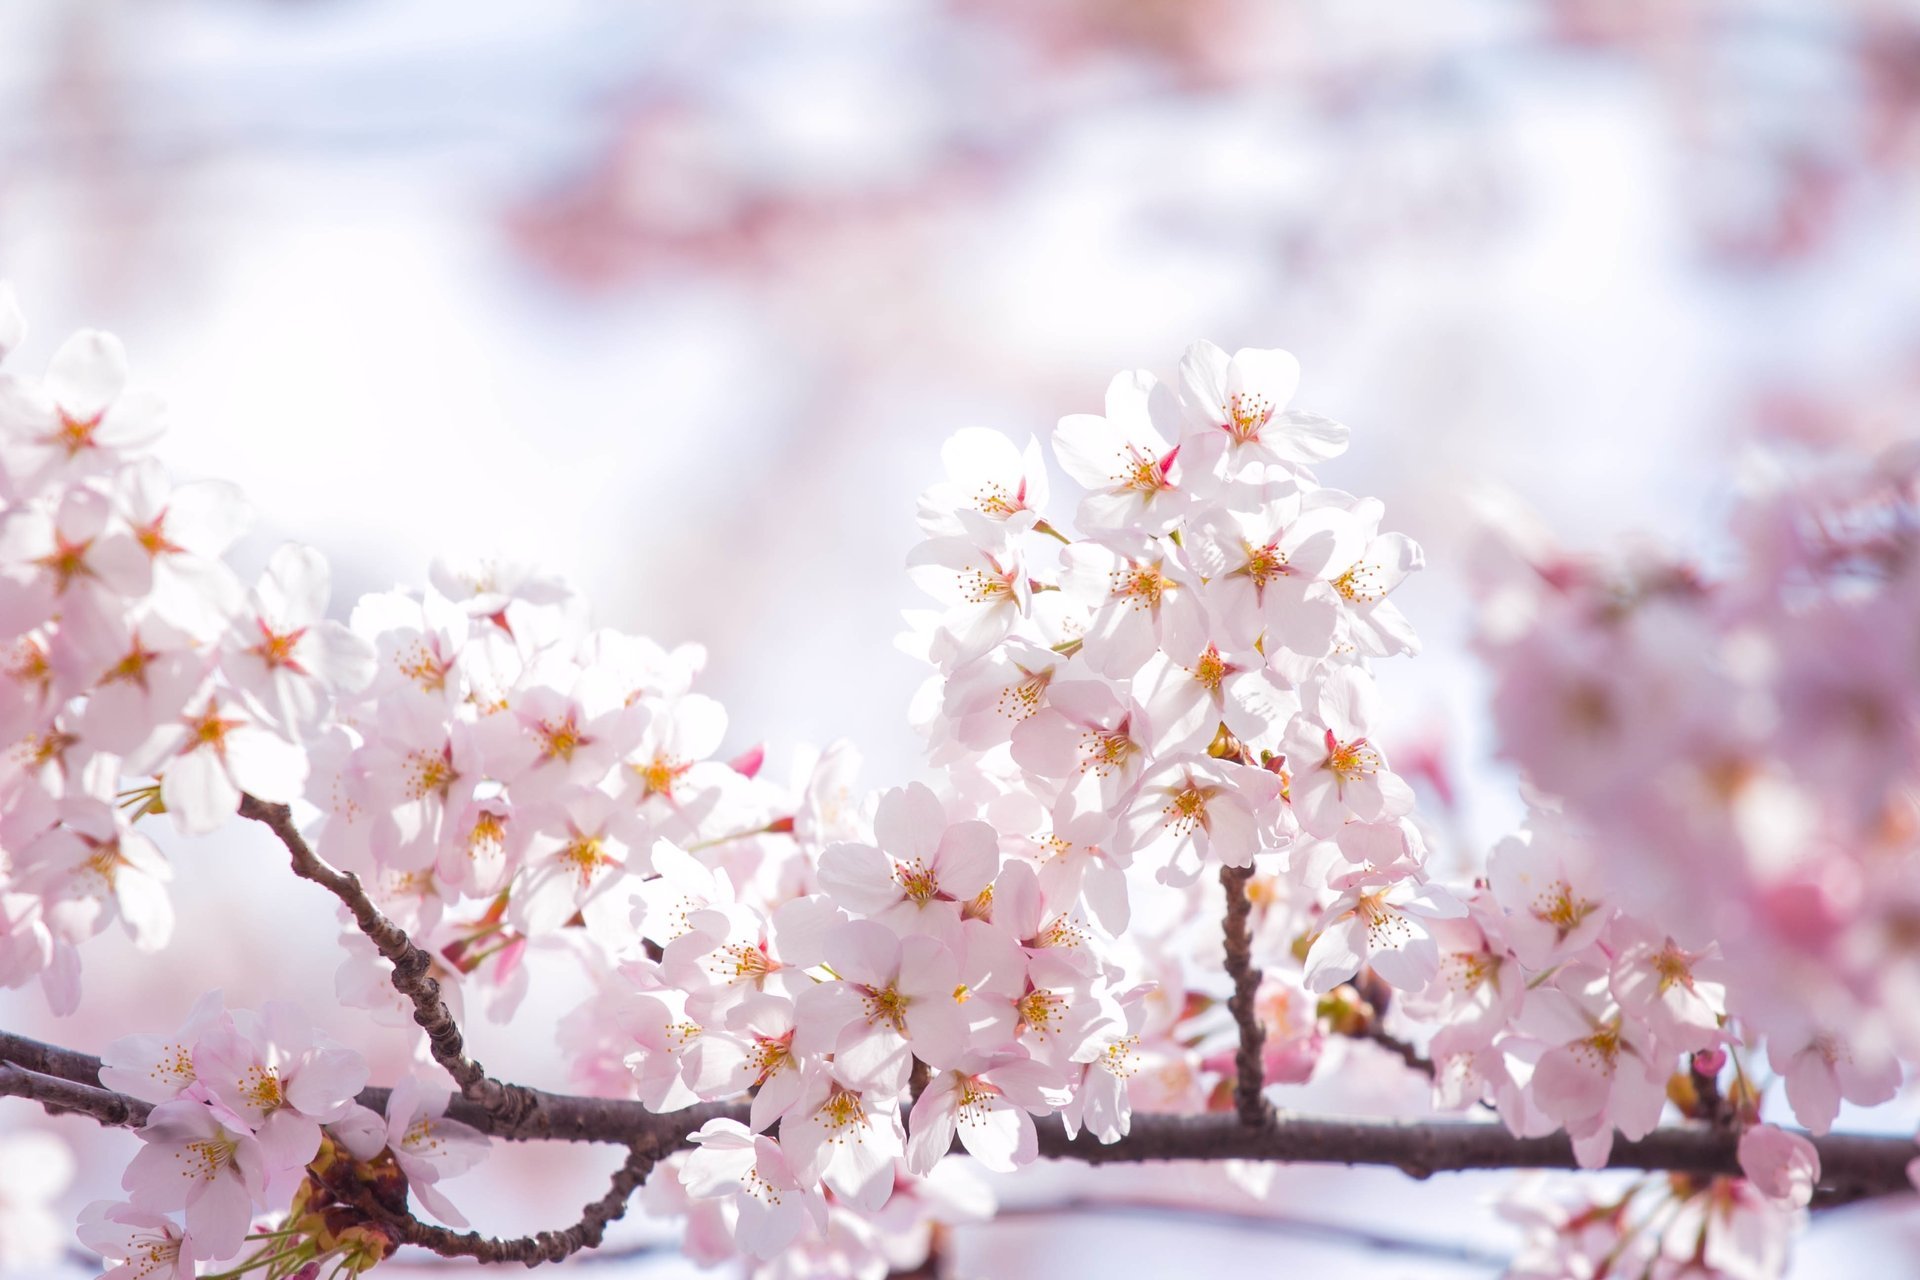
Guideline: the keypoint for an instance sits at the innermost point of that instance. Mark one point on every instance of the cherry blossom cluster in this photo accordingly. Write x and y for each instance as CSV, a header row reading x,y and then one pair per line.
x,y
1725,807
131,651
254,1117
1155,714
1678,1227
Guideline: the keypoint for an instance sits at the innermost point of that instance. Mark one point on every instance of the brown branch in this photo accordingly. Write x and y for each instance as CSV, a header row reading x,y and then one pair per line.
x,y
1249,1081
546,1246
510,1102
555,1116
1412,1057
1853,1165
64,1097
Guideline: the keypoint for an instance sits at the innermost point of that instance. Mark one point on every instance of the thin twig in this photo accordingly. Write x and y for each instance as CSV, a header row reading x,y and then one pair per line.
x,y
546,1246
1399,1048
1249,1084
509,1102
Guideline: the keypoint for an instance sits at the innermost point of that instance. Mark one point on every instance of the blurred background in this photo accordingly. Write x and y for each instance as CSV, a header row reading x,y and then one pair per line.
x,y
679,300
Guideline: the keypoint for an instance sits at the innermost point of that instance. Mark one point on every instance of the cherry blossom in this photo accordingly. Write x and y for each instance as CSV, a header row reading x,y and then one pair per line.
x,y
1714,856
150,1246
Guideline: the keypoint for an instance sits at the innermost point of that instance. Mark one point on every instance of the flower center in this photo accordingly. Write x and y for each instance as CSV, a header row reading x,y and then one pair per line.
x,y
917,880
1141,585
1019,700
559,739
1562,908
885,1004
1104,753
1246,416
1360,584
1351,761
1041,1011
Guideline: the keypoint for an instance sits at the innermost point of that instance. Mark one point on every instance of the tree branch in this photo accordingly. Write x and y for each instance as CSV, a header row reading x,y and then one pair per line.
x,y
546,1246
1249,1082
1853,1165
510,1102
62,1097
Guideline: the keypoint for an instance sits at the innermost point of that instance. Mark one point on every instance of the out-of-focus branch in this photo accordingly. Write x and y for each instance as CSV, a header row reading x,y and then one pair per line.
x,y
511,1103
1249,1082
1399,1048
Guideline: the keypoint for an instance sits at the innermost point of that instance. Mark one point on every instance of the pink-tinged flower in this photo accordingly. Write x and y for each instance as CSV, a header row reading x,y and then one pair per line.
x,y
764,1024
1468,1069
668,775
1386,925
768,1203
1089,737
1339,775
96,866
987,1101
563,729
579,852
1782,1165
1576,1240
160,1068
285,656
1194,809
989,477
829,810
273,1073
980,580
70,560
192,1160
984,701
30,695
846,1137
894,1002
143,671
1189,696
1237,417
1044,929
1601,1072
35,1170
1668,987
679,1061
1478,987
1125,459
149,1246
414,780
924,872
210,755
417,646
1730,1231
1145,600
1268,560
1373,623
1294,1039
1541,879
81,419
490,586
427,1146
1821,1068
184,531
1110,1058
684,897
756,954
1081,860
